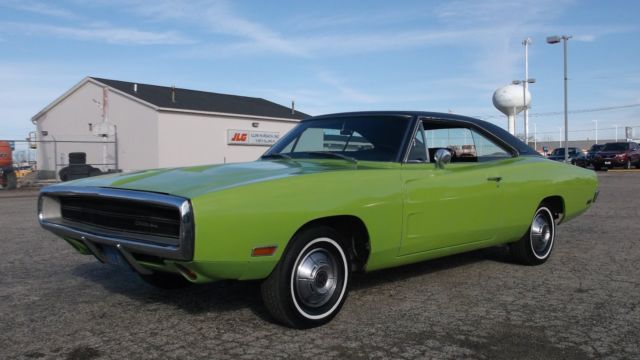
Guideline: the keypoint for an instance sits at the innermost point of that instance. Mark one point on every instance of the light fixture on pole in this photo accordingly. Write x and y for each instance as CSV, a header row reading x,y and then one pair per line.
x,y
555,40
525,103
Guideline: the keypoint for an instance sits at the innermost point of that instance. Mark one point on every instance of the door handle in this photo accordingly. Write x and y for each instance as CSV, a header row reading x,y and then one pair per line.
x,y
495,178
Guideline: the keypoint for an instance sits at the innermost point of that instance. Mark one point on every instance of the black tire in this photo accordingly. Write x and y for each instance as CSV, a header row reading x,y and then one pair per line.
x,y
12,181
534,248
77,158
165,280
596,168
304,299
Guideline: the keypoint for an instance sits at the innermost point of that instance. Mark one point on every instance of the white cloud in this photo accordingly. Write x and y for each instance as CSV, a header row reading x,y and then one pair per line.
x,y
345,91
104,33
218,17
37,7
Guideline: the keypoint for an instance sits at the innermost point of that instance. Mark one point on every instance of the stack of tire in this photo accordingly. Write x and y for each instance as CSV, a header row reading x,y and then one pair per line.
x,y
78,168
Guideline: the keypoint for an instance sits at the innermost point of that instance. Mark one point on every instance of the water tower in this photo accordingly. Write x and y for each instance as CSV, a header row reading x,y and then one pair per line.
x,y
510,100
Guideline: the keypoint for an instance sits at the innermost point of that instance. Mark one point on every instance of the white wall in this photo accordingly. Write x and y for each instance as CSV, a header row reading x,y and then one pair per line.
x,y
198,139
147,138
69,120
137,132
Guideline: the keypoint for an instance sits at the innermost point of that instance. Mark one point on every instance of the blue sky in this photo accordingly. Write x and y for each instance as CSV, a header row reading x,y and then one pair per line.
x,y
331,56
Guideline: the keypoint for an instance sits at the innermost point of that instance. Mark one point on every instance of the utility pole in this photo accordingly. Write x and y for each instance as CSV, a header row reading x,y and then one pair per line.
x,y
526,44
555,40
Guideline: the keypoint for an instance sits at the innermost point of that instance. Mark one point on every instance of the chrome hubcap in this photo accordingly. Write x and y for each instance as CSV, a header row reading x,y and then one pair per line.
x,y
316,278
541,234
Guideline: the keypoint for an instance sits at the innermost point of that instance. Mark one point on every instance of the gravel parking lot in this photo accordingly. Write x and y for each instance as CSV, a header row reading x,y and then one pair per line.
x,y
583,303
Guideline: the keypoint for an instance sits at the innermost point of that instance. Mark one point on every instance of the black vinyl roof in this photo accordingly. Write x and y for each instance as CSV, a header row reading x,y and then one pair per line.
x,y
186,99
502,134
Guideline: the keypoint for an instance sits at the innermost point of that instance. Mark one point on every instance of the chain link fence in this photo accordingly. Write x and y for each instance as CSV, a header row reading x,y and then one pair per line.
x,y
61,160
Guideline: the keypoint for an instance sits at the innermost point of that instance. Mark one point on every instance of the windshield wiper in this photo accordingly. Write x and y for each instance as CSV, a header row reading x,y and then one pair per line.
x,y
275,156
333,155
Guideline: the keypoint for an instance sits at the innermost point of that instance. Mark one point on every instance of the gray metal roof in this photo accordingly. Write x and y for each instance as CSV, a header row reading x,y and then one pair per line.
x,y
186,99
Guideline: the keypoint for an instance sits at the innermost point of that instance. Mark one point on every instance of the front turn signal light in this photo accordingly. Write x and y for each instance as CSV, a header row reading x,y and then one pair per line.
x,y
264,251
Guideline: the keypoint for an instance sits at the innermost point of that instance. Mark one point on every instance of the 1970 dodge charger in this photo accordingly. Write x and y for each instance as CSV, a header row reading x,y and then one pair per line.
x,y
338,193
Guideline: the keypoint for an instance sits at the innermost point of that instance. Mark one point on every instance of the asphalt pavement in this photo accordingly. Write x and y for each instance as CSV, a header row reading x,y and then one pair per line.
x,y
583,303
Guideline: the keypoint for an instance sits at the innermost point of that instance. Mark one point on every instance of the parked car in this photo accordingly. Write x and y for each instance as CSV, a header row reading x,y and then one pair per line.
x,y
592,152
337,194
558,154
617,154
580,160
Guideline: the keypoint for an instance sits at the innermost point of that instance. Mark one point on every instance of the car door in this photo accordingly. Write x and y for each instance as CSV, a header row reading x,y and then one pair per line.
x,y
459,204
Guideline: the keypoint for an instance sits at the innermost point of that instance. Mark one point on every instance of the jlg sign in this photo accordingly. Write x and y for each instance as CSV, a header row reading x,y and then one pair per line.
x,y
248,137
239,137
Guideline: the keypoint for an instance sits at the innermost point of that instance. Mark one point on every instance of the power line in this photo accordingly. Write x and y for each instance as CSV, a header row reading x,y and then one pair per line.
x,y
579,111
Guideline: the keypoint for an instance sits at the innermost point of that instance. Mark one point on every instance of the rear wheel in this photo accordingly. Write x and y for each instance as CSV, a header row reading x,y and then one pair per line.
x,y
310,283
535,246
165,280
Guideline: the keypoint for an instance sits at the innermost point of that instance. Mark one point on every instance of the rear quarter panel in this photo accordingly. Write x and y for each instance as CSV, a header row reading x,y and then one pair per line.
x,y
529,180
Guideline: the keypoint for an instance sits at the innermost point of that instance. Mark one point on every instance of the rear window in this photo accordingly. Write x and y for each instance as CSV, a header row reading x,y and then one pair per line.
x,y
615,147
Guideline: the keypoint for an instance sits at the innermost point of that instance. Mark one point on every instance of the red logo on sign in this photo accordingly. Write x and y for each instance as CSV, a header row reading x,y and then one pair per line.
x,y
239,137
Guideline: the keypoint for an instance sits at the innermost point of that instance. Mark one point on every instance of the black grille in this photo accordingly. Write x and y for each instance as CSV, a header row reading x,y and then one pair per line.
x,y
122,215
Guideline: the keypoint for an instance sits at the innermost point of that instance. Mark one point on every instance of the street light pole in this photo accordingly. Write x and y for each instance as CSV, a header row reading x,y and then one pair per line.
x,y
555,40
526,44
535,136
560,137
616,132
596,121
524,105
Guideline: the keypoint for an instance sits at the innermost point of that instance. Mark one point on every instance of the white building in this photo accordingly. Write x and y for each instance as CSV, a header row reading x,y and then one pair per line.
x,y
138,126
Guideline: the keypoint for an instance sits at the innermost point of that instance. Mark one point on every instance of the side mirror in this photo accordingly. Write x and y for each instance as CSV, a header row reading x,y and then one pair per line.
x,y
442,157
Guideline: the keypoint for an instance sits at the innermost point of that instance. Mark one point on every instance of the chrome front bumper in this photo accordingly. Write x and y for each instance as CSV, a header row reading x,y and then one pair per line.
x,y
128,244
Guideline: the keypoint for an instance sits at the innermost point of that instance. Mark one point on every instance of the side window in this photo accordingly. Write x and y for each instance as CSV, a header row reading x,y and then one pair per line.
x,y
457,140
418,152
487,149
466,145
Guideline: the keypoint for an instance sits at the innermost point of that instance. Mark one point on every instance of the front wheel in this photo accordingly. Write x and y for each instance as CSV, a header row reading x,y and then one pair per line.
x,y
310,283
534,248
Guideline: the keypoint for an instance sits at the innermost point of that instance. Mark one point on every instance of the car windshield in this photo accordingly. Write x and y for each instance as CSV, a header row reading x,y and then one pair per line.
x,y
372,138
596,147
615,147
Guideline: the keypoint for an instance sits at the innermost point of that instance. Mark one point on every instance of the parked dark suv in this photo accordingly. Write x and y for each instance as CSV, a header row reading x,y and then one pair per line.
x,y
617,154
558,154
592,152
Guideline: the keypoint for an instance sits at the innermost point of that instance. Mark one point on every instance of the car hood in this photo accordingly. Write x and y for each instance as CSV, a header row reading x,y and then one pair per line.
x,y
196,180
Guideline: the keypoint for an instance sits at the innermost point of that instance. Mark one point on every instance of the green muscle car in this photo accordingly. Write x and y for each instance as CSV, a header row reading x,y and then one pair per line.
x,y
337,194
